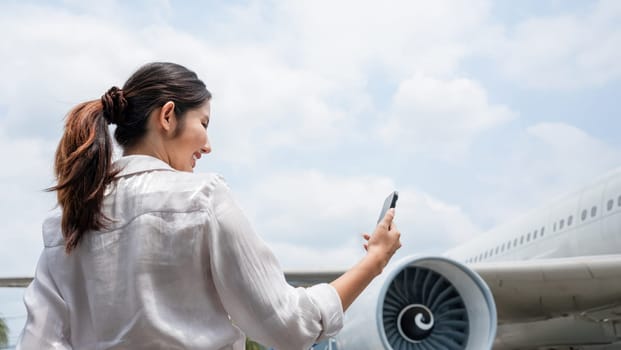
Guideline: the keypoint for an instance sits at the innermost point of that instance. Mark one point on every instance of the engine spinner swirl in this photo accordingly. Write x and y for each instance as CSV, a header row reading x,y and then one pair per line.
x,y
423,310
415,323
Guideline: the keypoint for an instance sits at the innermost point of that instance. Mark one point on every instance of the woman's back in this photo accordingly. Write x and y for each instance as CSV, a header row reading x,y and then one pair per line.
x,y
144,282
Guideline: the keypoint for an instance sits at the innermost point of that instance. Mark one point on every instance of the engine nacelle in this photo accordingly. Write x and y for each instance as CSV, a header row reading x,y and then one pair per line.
x,y
421,303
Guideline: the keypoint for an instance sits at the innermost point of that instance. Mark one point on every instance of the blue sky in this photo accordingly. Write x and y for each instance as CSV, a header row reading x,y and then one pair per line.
x,y
477,111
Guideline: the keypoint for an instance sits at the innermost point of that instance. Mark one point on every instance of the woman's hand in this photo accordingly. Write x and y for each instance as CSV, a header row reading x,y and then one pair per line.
x,y
385,240
380,246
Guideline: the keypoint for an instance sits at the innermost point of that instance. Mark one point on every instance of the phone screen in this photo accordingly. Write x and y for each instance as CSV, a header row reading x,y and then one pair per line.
x,y
390,202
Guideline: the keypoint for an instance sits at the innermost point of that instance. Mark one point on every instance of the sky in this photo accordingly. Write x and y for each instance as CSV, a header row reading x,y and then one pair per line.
x,y
476,111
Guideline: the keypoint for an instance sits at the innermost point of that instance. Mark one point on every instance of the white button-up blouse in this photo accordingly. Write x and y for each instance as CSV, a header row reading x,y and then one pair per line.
x,y
178,267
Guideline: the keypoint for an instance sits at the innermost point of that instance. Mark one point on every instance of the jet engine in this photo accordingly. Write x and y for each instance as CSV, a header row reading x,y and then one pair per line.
x,y
421,303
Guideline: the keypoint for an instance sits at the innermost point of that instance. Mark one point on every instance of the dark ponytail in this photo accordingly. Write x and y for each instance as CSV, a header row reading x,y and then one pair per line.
x,y
83,168
83,164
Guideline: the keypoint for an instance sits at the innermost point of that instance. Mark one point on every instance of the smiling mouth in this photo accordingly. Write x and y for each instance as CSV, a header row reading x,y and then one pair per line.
x,y
195,157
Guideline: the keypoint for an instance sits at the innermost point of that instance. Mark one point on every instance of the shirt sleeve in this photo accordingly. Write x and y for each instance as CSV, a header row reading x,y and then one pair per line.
x,y
253,289
47,325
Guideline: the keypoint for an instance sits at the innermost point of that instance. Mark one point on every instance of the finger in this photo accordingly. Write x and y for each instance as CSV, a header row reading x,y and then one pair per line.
x,y
387,220
366,236
366,246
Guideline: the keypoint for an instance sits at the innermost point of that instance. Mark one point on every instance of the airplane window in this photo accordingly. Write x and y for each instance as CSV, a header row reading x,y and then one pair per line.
x,y
610,204
542,229
528,237
515,242
584,214
619,201
569,220
508,245
554,227
522,239
535,234
502,249
485,255
497,249
561,224
593,211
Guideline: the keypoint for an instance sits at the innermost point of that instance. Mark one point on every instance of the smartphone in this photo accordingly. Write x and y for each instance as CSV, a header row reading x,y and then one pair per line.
x,y
390,202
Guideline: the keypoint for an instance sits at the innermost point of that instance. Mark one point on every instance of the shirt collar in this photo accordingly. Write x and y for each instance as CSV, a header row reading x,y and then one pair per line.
x,y
134,164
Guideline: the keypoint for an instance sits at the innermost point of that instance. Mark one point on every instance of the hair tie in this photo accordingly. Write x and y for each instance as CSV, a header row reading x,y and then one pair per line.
x,y
114,104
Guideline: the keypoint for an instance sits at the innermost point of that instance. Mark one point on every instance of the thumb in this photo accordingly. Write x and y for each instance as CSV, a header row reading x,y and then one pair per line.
x,y
390,215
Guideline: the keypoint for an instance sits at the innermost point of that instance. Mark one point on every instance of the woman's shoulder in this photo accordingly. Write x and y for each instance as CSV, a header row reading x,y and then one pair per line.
x,y
206,182
201,188
51,229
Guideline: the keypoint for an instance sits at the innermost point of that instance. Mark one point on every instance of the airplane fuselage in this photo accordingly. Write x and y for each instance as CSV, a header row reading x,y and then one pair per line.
x,y
584,223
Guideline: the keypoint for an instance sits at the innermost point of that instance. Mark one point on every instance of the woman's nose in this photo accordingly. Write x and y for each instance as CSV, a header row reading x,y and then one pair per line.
x,y
206,148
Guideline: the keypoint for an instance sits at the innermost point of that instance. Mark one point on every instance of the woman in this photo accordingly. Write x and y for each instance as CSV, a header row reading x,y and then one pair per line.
x,y
144,254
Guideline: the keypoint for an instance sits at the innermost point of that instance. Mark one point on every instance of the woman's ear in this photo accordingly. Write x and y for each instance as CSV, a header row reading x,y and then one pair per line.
x,y
167,118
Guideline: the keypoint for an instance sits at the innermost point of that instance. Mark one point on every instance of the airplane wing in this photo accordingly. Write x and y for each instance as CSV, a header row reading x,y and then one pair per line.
x,y
309,278
295,278
542,289
15,282
556,302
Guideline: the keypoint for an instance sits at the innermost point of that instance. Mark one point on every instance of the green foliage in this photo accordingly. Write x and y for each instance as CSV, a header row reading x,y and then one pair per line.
x,y
250,345
4,333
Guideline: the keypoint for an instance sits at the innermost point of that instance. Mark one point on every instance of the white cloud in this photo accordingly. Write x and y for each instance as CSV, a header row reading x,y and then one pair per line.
x,y
441,117
573,152
53,60
293,256
565,51
309,216
297,75
302,87
26,172
342,38
545,162
85,55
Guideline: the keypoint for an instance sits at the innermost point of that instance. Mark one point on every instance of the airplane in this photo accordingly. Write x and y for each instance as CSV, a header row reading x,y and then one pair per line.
x,y
550,280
